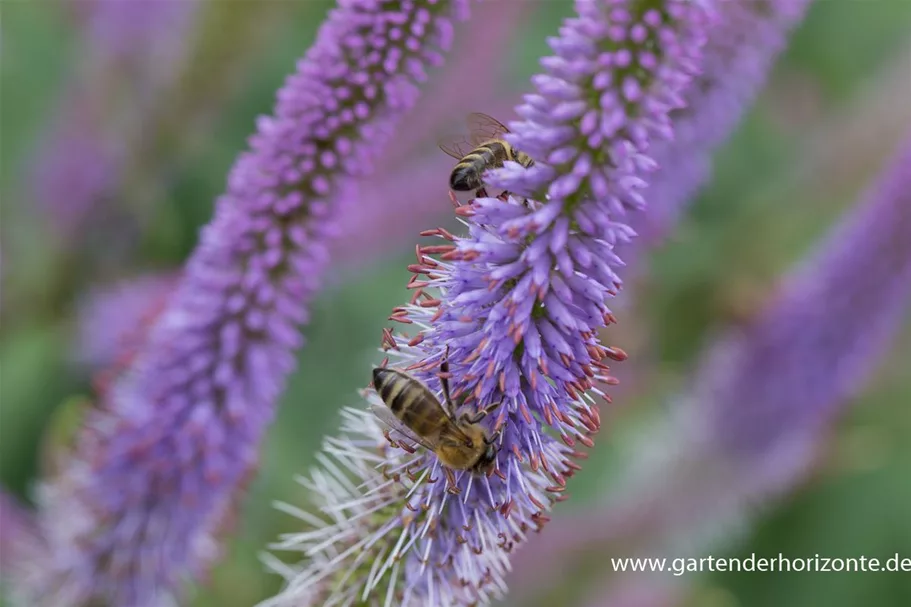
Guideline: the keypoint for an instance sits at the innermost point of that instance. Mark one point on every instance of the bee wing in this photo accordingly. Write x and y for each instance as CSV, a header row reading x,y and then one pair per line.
x,y
482,127
385,415
457,145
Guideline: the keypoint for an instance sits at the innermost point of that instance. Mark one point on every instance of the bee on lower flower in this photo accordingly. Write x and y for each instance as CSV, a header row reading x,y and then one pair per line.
x,y
458,440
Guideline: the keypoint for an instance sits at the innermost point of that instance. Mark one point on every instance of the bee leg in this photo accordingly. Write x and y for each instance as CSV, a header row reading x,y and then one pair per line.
x,y
473,419
489,440
444,380
492,408
450,479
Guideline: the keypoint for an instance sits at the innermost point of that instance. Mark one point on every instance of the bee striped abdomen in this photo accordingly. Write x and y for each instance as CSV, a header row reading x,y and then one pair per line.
x,y
425,418
467,174
410,401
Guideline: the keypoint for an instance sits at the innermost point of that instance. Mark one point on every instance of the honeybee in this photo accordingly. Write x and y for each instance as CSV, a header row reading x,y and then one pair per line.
x,y
460,442
482,149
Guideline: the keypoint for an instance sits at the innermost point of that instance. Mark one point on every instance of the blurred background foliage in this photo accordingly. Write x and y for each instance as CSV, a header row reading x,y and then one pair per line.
x,y
833,111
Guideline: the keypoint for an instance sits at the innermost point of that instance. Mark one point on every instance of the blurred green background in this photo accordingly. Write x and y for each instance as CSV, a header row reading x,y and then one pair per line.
x,y
831,114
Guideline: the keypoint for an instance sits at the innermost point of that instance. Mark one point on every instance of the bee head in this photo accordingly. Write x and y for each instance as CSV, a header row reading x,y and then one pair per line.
x,y
488,458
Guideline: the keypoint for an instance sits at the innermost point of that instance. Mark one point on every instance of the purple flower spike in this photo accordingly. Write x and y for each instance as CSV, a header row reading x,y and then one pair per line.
x,y
136,514
820,338
606,97
516,307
